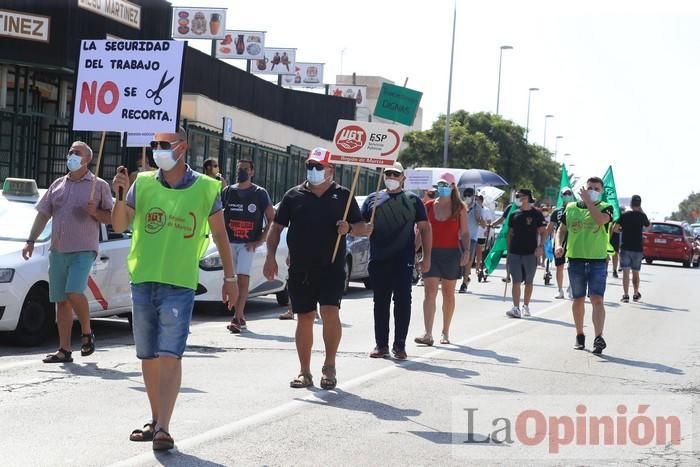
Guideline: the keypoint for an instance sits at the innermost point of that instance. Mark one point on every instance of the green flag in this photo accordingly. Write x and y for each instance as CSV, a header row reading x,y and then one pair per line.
x,y
563,183
500,246
610,192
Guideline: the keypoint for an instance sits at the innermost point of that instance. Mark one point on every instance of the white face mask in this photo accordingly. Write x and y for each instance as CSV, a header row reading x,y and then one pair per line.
x,y
594,195
392,184
164,159
316,177
518,202
74,162
469,199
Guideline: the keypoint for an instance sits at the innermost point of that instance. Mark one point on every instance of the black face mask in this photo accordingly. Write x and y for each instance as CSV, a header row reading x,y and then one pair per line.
x,y
242,176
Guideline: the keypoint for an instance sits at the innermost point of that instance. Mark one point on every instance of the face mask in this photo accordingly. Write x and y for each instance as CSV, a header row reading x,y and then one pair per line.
x,y
594,195
74,162
242,176
316,177
164,159
391,184
444,191
469,199
567,198
518,202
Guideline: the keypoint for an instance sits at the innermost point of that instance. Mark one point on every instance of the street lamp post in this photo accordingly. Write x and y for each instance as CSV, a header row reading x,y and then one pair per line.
x,y
449,90
527,124
500,61
556,146
544,140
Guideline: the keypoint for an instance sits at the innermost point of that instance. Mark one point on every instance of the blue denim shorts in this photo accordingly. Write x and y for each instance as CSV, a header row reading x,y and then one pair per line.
x,y
161,318
631,260
587,277
68,273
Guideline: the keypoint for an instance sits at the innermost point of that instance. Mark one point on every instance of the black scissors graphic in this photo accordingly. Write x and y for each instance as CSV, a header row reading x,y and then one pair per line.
x,y
155,94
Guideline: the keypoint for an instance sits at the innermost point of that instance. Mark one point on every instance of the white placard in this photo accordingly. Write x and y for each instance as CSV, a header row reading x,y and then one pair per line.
x,y
118,10
366,144
138,140
275,61
199,23
418,179
131,86
227,129
242,44
19,25
309,75
359,93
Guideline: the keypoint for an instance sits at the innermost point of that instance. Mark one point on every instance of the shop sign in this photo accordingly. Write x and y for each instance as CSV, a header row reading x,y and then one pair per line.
x,y
122,11
18,25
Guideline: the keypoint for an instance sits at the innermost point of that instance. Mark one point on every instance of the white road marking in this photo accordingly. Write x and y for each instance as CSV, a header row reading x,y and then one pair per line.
x,y
289,407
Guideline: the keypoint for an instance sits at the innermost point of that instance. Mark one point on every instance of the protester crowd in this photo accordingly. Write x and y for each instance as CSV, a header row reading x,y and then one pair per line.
x,y
444,235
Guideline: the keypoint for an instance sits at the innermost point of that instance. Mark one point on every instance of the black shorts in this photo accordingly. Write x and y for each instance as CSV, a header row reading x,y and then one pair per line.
x,y
481,241
320,287
560,261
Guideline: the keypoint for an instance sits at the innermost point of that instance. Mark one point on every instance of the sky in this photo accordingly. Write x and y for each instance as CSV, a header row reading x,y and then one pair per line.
x,y
620,77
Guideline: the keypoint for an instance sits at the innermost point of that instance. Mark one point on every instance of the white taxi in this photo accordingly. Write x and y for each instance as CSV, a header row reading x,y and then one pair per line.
x,y
25,309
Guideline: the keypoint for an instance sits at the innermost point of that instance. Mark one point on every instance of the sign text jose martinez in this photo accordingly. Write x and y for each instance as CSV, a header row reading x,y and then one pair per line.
x,y
131,86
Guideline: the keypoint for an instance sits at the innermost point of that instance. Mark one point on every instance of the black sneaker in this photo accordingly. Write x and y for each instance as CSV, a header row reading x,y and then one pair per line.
x,y
399,353
625,299
615,275
580,342
379,352
462,288
636,297
598,345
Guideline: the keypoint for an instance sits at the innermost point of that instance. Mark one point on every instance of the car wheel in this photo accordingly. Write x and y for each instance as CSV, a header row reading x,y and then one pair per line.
x,y
348,271
649,261
283,297
37,320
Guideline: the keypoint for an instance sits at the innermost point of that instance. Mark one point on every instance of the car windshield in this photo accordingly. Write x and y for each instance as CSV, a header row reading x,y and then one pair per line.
x,y
16,219
668,229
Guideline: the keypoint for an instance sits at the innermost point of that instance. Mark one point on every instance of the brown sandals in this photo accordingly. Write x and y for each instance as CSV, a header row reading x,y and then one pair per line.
x,y
328,381
304,380
145,434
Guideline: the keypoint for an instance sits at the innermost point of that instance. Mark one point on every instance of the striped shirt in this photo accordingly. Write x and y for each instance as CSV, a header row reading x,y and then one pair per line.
x,y
72,228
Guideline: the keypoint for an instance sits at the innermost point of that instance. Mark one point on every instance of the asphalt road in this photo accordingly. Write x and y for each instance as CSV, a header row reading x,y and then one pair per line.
x,y
236,407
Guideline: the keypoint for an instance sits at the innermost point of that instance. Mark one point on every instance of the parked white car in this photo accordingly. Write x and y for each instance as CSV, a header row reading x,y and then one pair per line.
x,y
25,310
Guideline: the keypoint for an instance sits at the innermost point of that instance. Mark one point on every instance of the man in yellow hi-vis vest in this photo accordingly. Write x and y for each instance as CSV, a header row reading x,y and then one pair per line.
x,y
170,210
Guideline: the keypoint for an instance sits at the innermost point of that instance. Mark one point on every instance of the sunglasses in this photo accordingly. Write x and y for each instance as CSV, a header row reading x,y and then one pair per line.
x,y
392,174
163,144
314,167
567,193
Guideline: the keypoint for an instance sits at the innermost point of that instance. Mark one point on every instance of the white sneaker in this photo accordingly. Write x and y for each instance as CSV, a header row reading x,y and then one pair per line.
x,y
560,294
525,310
514,312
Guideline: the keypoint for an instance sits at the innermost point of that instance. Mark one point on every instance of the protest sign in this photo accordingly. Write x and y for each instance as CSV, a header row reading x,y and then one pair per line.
x,y
366,144
131,86
418,179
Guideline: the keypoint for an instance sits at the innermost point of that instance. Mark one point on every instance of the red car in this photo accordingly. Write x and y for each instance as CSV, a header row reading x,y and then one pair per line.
x,y
671,241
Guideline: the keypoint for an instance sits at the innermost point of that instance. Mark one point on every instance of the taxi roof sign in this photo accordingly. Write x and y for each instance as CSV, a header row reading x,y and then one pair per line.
x,y
20,187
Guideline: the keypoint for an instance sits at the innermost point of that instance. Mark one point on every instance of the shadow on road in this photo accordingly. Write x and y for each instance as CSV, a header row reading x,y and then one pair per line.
x,y
539,319
266,337
493,388
341,399
458,439
664,308
658,367
176,458
91,369
483,353
484,296
458,373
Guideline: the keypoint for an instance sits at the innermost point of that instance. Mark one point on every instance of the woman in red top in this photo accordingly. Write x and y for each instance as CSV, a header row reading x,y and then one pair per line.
x,y
448,218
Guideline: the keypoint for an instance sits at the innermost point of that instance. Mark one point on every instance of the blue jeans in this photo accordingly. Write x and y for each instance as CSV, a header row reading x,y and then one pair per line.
x,y
587,276
161,318
391,277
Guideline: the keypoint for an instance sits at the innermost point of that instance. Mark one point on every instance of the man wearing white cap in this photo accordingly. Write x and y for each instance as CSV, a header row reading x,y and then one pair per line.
x,y
314,212
392,255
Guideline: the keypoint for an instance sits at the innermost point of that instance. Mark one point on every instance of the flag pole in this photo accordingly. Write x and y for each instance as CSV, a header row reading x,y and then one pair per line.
x,y
97,167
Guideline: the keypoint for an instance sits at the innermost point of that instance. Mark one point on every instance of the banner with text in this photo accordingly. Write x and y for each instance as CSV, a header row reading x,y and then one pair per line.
x,y
131,86
366,144
418,179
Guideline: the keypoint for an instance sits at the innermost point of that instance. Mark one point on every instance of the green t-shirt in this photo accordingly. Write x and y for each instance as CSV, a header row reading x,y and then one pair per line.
x,y
585,238
170,231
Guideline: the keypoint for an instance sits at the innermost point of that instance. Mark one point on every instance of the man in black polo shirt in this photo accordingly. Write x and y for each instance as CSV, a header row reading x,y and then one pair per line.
x,y
313,211
526,231
632,224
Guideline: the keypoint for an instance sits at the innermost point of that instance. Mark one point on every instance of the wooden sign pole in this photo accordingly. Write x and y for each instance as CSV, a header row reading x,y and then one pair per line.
x,y
347,209
376,196
97,167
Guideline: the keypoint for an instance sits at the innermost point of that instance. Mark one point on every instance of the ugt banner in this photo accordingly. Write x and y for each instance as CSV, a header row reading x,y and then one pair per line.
x,y
131,86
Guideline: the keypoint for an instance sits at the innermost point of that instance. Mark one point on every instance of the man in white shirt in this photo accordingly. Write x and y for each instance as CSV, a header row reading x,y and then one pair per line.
x,y
482,236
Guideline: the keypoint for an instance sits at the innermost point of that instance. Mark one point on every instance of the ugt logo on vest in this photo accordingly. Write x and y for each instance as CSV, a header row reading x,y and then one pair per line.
x,y
155,220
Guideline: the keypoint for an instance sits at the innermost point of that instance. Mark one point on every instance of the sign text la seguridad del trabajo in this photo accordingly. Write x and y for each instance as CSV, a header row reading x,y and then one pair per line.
x,y
131,86
366,144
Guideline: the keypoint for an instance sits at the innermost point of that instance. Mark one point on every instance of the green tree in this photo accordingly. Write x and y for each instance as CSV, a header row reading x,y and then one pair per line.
x,y
689,209
484,141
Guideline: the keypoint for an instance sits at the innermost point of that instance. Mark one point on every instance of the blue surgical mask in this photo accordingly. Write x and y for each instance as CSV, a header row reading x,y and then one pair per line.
x,y
444,191
316,177
74,162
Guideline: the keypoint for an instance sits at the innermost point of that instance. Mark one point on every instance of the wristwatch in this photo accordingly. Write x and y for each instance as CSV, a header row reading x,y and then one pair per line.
x,y
231,279
31,242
